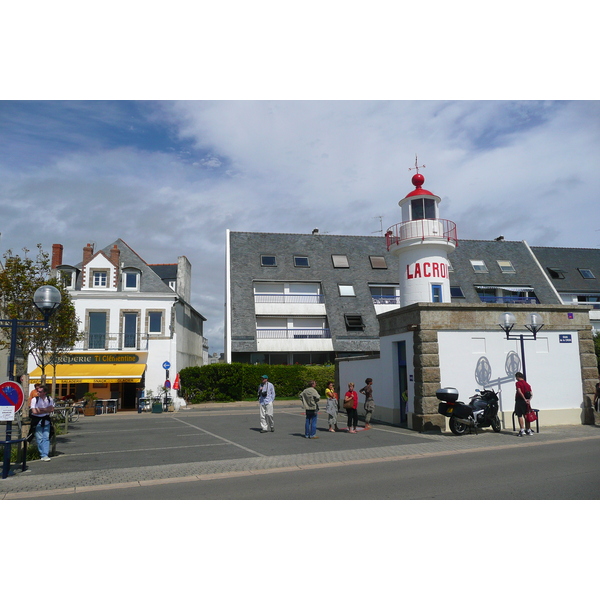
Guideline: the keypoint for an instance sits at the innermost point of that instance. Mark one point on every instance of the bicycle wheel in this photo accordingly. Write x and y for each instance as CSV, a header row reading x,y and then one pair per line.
x,y
74,415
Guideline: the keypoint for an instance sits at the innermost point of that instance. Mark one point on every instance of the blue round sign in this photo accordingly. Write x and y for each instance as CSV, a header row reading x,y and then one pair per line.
x,y
166,365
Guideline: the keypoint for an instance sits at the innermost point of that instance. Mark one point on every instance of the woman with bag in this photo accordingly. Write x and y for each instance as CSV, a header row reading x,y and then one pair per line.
x,y
351,406
40,409
522,404
331,407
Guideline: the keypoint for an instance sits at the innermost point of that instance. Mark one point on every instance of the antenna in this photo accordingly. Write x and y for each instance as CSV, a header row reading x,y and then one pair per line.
x,y
380,230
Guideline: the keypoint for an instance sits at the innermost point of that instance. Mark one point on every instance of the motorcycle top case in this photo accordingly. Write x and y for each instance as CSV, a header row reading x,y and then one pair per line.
x,y
447,394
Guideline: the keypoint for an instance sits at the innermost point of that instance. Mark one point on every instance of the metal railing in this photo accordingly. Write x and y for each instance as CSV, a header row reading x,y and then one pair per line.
x,y
492,299
289,298
292,334
113,341
378,299
421,229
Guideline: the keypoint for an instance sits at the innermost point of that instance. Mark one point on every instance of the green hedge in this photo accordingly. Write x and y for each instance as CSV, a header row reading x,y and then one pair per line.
x,y
237,381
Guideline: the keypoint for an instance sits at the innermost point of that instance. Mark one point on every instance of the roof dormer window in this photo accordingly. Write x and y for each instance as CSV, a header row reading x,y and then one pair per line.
x,y
131,279
99,279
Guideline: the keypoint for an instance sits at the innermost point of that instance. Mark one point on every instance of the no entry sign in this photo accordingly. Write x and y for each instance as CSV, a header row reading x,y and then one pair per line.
x,y
11,395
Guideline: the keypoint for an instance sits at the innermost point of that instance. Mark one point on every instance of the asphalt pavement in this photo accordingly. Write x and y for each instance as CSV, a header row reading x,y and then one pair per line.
x,y
224,440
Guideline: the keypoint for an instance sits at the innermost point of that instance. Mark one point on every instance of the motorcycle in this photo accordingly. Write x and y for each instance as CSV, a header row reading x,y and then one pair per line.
x,y
482,410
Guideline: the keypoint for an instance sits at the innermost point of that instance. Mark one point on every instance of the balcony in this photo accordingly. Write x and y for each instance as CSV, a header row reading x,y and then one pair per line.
x,y
112,341
292,334
289,298
493,299
377,299
421,229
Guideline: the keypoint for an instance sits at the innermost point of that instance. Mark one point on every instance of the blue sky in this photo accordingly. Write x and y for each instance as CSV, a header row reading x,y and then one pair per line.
x,y
169,177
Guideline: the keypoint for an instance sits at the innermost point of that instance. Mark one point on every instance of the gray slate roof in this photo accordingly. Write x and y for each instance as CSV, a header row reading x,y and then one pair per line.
x,y
569,260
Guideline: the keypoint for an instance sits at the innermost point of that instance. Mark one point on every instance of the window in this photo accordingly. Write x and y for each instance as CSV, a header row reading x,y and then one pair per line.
x,y
479,266
97,330
456,292
354,322
99,278
506,266
436,292
155,321
129,330
340,261
130,280
68,279
586,274
378,262
268,261
422,208
346,290
301,261
385,294
556,273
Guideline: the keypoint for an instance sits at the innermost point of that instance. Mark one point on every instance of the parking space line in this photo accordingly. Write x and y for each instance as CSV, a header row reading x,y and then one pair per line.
x,y
220,438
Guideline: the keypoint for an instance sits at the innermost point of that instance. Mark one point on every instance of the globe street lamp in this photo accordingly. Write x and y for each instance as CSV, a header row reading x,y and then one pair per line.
x,y
534,324
46,299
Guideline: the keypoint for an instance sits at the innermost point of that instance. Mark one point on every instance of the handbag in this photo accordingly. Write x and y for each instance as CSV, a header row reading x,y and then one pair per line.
x,y
530,416
348,402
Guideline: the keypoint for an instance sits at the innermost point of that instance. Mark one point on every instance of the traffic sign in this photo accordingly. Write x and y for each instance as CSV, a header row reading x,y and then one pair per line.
x,y
166,365
11,394
168,384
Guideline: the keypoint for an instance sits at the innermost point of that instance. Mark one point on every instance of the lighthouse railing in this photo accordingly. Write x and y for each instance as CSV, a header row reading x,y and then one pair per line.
x,y
421,229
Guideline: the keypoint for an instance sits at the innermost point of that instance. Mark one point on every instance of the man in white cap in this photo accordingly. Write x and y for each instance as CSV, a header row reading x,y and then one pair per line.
x,y
266,395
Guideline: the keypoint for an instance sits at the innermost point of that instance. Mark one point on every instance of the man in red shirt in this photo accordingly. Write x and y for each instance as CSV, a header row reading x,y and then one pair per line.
x,y
522,406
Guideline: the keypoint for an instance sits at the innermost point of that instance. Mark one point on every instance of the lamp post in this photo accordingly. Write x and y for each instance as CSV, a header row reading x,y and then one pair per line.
x,y
46,299
534,324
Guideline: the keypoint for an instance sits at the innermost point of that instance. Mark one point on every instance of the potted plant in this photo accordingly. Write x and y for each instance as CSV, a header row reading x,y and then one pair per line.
x,y
90,399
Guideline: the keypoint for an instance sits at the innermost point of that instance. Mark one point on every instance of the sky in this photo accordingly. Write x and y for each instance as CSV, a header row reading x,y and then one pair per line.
x,y
170,177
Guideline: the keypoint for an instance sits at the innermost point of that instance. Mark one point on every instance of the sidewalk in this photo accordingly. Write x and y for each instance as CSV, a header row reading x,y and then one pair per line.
x,y
224,440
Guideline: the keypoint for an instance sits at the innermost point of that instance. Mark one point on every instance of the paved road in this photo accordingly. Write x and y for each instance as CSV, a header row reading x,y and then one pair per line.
x,y
218,452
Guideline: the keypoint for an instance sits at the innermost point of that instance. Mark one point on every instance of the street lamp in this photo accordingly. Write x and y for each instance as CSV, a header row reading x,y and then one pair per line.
x,y
534,324
46,299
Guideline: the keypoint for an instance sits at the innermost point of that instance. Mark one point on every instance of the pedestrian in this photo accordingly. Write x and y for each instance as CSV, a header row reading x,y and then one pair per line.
x,y
40,409
310,401
34,392
266,395
522,403
369,402
597,397
332,407
351,406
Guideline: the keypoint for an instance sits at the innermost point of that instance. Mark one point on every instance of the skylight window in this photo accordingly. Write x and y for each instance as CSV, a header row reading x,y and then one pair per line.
x,y
586,274
378,262
340,261
479,266
506,266
268,261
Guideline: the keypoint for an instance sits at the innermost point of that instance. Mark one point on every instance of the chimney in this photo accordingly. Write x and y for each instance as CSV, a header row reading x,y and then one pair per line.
x,y
57,255
87,254
115,253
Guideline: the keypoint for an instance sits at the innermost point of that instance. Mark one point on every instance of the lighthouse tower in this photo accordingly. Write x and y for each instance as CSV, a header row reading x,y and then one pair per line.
x,y
422,242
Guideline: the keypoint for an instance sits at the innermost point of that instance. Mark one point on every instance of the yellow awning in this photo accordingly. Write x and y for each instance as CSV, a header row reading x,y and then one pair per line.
x,y
103,373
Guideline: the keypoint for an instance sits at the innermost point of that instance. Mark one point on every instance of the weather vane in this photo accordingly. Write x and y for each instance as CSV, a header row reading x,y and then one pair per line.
x,y
416,165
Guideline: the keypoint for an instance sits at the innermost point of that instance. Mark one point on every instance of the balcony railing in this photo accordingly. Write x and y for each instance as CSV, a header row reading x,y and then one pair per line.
x,y
113,341
492,299
289,298
377,299
292,334
421,229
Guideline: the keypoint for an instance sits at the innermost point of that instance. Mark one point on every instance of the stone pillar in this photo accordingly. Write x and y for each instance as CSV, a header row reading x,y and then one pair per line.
x,y
589,375
427,382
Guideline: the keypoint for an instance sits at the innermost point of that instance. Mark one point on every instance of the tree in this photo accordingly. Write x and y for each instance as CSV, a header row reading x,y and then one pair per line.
x,y
19,279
